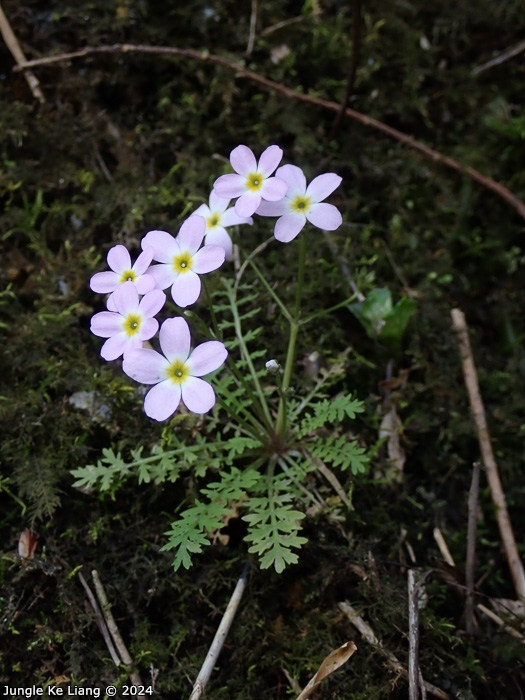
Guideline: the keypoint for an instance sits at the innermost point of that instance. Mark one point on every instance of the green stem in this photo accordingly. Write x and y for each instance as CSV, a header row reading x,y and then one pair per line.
x,y
260,399
326,312
280,427
272,293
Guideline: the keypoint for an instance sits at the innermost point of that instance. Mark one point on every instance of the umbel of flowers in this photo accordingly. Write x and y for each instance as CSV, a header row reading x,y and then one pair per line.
x,y
136,290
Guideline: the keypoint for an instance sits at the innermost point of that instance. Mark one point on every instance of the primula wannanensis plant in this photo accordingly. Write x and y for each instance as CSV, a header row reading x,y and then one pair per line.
x,y
252,182
302,204
119,260
218,216
182,259
131,323
261,440
175,373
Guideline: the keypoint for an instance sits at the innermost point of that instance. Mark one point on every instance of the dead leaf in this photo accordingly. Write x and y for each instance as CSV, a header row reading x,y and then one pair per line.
x,y
333,661
391,428
27,544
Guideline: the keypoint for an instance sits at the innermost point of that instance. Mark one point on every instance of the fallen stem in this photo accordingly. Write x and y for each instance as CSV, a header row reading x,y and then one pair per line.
x,y
220,637
14,47
489,461
242,72
101,623
114,631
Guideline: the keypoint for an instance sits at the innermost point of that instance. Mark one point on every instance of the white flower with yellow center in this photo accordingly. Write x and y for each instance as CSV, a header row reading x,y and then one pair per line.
x,y
217,216
251,182
302,204
177,372
131,323
182,259
119,261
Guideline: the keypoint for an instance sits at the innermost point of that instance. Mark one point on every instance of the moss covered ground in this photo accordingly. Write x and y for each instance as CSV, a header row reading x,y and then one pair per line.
x,y
130,141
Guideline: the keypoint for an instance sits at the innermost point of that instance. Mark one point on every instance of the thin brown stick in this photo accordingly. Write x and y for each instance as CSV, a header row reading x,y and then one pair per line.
x,y
16,51
471,547
253,25
241,72
413,638
352,69
100,621
509,53
368,635
489,461
220,637
114,631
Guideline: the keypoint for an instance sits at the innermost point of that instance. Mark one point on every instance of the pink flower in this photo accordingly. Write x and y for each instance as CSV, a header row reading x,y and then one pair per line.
x,y
176,374
252,183
181,260
119,261
131,323
302,204
217,216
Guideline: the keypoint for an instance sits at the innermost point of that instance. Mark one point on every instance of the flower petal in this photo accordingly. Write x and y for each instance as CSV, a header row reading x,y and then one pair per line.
x,y
272,208
186,289
243,161
145,366
162,242
162,401
106,324
145,284
273,189
148,328
269,160
229,186
104,282
163,274
117,345
143,261
247,204
206,358
325,216
175,339
119,259
204,210
125,298
208,258
152,303
191,233
288,227
218,204
219,236
294,178
322,186
198,395
230,218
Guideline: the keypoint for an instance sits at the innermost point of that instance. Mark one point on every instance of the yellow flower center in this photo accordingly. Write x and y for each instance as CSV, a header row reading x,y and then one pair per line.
x,y
128,276
132,324
254,181
178,372
213,220
301,204
182,263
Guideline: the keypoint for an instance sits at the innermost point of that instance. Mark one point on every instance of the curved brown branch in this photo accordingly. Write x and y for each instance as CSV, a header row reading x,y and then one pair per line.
x,y
242,72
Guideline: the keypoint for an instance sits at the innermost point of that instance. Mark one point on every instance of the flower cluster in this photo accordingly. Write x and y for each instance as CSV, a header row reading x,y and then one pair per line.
x,y
202,245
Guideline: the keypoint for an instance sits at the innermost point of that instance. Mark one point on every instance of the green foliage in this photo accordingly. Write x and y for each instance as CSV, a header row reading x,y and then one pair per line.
x,y
341,453
381,319
330,411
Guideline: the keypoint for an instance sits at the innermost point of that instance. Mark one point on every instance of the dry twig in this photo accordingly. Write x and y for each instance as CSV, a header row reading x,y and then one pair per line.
x,y
471,548
368,635
414,673
114,631
17,53
242,72
101,622
489,461
509,53
220,637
